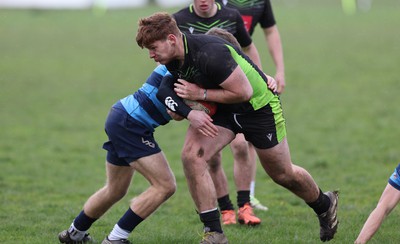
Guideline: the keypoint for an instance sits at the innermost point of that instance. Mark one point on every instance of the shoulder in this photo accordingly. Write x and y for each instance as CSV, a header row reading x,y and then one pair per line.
x,y
204,41
228,10
181,13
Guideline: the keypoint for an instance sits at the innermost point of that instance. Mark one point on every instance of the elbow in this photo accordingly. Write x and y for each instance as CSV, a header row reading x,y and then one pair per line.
x,y
246,96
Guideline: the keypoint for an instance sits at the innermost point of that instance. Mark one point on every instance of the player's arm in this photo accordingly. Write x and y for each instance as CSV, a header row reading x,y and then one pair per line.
x,y
389,199
274,43
198,119
252,52
170,99
245,41
234,89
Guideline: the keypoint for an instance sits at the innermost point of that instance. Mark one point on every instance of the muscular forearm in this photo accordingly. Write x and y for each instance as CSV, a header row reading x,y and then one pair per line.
x,y
370,227
273,39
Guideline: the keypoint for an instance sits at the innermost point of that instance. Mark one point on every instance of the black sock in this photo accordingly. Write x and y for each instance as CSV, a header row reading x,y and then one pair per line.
x,y
83,222
243,197
129,220
321,205
225,203
211,221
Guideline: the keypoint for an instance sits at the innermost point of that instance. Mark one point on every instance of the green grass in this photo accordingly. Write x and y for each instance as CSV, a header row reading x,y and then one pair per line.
x,y
60,71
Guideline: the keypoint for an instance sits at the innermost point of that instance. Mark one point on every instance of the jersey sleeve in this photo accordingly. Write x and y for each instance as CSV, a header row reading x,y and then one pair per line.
x,y
267,18
241,35
215,60
167,96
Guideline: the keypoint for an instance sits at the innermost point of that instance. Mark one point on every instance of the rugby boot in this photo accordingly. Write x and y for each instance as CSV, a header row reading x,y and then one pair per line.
x,y
228,217
256,204
328,221
64,237
213,237
122,241
246,215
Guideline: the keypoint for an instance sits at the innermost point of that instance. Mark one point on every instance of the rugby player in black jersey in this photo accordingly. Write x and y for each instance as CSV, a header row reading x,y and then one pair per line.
x,y
198,18
208,68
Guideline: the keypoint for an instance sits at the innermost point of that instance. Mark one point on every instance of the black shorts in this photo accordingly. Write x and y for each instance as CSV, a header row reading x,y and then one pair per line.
x,y
264,128
128,139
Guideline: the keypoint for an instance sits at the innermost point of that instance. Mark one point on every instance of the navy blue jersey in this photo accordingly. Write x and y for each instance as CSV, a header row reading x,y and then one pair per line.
x,y
143,105
253,12
225,18
394,179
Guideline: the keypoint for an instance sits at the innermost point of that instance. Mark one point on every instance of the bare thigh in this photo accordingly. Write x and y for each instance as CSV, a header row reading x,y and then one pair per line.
x,y
276,160
200,146
155,169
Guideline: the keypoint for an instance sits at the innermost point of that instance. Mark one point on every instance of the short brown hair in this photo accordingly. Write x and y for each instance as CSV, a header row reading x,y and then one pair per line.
x,y
227,36
155,28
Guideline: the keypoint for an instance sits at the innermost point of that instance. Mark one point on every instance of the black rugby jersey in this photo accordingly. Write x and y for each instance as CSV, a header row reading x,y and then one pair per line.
x,y
225,18
253,12
208,62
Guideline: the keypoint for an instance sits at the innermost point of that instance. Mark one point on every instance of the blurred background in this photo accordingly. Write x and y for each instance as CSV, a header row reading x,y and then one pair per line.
x,y
63,63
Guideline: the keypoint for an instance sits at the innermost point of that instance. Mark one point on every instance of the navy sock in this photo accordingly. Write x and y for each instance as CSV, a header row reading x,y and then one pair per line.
x,y
211,221
243,197
225,203
83,222
322,204
129,220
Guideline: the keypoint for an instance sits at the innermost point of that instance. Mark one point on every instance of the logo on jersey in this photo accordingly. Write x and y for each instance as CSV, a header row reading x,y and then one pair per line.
x,y
148,143
170,103
269,136
191,29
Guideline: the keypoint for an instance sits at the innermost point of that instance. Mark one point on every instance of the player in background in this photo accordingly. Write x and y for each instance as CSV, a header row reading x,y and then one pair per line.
x,y
389,199
260,12
198,18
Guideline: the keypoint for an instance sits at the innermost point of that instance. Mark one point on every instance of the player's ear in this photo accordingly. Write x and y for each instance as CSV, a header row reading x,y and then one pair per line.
x,y
171,38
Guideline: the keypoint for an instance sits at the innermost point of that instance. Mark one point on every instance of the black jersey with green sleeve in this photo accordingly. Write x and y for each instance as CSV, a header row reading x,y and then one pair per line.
x,y
225,18
208,62
253,12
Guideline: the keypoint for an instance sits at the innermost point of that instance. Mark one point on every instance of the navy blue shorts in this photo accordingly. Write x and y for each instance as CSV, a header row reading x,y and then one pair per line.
x,y
128,139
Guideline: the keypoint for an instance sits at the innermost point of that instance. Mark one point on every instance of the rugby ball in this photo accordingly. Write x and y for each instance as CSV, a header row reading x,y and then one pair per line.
x,y
208,107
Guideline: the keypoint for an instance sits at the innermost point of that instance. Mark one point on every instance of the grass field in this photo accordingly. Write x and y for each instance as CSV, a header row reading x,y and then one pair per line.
x,y
60,71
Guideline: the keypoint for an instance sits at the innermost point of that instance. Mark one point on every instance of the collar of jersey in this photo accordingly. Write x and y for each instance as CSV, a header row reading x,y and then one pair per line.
x,y
185,42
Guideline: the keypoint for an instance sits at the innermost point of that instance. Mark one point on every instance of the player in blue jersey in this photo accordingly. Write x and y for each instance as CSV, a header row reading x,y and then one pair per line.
x,y
208,68
389,199
130,147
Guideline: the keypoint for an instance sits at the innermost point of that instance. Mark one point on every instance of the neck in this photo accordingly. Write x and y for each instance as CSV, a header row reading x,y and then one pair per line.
x,y
180,52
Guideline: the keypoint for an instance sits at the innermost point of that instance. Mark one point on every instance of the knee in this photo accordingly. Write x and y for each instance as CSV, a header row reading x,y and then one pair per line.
x,y
167,189
170,190
284,179
215,162
240,149
115,193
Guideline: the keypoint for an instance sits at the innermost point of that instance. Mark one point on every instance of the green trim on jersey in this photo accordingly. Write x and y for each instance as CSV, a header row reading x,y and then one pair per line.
x,y
202,27
246,3
261,94
280,124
